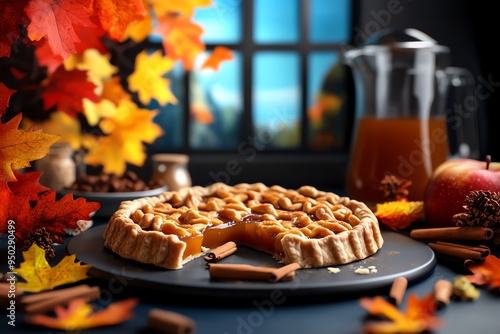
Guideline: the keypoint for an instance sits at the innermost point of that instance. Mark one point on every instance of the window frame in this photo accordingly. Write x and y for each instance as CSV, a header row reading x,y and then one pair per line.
x,y
324,169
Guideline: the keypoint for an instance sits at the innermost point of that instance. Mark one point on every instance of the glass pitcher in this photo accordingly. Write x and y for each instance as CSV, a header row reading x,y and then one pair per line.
x,y
402,124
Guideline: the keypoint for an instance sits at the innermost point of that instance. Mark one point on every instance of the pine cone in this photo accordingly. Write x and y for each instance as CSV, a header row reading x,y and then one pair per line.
x,y
482,208
43,239
394,188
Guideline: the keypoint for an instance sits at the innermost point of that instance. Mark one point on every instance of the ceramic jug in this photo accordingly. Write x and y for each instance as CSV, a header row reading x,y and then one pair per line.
x,y
405,122
171,170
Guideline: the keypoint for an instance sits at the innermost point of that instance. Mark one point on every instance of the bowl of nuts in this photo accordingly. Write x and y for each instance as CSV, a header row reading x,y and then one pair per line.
x,y
110,190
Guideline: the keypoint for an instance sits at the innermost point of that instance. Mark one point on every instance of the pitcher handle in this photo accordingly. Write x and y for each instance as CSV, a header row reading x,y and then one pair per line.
x,y
461,114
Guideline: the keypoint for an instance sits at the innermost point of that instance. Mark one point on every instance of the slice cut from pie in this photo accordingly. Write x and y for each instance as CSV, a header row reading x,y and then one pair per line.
x,y
311,227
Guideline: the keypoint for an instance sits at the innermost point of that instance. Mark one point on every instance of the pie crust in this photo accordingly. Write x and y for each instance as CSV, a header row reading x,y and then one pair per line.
x,y
310,227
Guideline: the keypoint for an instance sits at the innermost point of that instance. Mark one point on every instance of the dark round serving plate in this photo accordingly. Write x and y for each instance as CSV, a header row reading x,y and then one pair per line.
x,y
399,256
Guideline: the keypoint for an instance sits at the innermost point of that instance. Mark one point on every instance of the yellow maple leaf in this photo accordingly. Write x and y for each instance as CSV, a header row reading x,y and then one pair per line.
x,y
80,315
126,131
18,147
113,91
94,112
40,276
162,7
139,30
96,64
61,124
147,79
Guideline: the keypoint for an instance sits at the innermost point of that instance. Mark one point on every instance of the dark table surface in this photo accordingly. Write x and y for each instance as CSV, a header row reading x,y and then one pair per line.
x,y
320,313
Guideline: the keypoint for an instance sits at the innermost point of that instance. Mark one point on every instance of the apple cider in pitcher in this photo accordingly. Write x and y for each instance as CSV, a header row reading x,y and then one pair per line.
x,y
410,148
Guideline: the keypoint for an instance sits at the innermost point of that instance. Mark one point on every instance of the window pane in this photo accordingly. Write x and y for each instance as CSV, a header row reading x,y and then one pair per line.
x,y
221,21
330,21
276,99
326,102
171,116
216,105
276,21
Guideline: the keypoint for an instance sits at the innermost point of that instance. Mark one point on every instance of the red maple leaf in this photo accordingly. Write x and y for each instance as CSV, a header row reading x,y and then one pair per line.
x,y
45,212
27,184
11,16
116,15
66,89
55,20
5,94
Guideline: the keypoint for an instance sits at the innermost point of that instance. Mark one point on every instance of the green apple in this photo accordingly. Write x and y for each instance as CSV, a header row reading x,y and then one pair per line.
x,y
451,182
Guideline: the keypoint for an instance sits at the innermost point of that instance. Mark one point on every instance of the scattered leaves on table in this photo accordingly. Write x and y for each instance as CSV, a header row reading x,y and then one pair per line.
x,y
40,276
486,272
419,316
399,215
80,315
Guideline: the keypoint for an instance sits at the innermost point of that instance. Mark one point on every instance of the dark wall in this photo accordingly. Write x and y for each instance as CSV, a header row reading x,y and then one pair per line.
x,y
471,29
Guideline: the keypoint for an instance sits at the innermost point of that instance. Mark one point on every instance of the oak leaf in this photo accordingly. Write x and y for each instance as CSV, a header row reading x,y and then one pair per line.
x,y
55,21
79,315
66,89
18,147
220,54
486,272
5,94
116,15
40,276
418,318
148,81
12,16
126,132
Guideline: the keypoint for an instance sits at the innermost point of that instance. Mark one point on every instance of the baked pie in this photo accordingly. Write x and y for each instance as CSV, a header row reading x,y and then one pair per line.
x,y
310,227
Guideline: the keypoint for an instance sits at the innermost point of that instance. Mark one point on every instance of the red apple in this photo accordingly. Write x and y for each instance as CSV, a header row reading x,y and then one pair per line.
x,y
451,182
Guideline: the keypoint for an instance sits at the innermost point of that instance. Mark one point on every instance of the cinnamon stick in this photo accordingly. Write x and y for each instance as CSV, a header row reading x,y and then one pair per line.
x,y
170,322
221,252
452,233
398,290
249,272
443,290
459,251
46,301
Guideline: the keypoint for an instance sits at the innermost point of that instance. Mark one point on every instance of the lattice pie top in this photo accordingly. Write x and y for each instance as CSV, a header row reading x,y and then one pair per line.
x,y
311,227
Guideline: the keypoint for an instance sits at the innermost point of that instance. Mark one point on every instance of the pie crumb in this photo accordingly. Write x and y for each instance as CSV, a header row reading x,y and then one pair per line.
x,y
333,270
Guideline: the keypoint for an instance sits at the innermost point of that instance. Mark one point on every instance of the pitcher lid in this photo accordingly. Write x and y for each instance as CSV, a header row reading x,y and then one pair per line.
x,y
400,40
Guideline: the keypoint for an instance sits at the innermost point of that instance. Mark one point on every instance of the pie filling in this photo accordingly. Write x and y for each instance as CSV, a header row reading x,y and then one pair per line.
x,y
308,226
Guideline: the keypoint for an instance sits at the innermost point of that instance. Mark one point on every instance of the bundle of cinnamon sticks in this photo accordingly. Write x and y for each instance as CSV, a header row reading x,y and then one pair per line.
x,y
454,243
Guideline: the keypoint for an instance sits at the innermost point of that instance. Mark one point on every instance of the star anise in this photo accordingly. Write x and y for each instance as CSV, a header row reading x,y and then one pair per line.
x,y
482,208
394,188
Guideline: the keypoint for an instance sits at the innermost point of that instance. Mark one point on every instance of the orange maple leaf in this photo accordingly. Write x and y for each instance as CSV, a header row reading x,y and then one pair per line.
x,y
116,15
79,315
55,21
419,317
181,39
399,215
220,54
486,272
66,89
18,148
11,17
5,94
